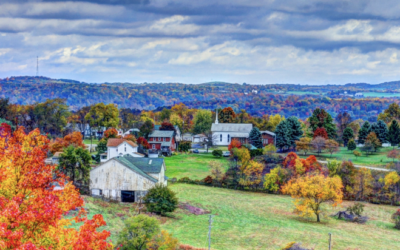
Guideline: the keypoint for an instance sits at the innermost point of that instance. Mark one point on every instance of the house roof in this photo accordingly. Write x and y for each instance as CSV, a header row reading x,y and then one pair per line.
x,y
123,160
148,165
161,133
267,132
115,142
232,127
200,135
57,154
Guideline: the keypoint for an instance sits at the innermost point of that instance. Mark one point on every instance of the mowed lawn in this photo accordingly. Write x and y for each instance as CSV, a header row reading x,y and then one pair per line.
x,y
94,141
194,166
245,220
378,159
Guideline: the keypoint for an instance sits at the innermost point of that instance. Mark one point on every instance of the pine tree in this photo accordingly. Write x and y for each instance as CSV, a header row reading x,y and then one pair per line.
x,y
348,134
282,135
295,131
394,133
351,145
322,119
256,138
363,133
381,130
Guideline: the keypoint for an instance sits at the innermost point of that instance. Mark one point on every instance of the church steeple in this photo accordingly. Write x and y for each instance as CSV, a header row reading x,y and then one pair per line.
x,y
216,117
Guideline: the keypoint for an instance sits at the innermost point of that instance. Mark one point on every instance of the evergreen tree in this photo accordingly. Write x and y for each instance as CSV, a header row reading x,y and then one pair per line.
x,y
394,133
351,145
256,138
381,130
295,131
364,132
322,119
348,134
282,135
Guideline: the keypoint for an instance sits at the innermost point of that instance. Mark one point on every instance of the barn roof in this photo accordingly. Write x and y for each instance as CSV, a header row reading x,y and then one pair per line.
x,y
123,160
148,165
115,142
267,132
232,127
161,133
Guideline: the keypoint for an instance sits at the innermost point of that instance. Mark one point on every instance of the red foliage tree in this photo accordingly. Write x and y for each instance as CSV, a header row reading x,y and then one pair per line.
x,y
32,212
142,141
110,133
320,132
167,126
310,164
75,139
234,144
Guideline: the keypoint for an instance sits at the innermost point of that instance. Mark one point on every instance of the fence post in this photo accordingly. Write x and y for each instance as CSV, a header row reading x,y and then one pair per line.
x,y
330,240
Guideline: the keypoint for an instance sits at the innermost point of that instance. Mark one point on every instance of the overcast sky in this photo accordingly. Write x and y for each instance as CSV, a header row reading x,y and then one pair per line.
x,y
257,42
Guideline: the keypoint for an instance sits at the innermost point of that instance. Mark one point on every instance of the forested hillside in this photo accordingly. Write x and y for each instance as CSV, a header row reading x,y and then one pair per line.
x,y
284,99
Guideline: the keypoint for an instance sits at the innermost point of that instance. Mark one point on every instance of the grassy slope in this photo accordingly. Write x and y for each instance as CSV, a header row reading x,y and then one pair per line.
x,y
194,166
260,221
378,159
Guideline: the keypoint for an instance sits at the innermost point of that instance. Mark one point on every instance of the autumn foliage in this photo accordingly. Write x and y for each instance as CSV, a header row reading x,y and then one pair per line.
x,y
111,133
234,144
32,212
320,132
301,166
142,141
74,139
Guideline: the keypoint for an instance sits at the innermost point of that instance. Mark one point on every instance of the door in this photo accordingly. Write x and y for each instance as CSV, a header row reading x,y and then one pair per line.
x,y
127,196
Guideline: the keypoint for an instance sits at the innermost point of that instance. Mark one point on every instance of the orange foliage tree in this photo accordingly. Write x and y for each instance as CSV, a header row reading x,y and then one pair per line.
x,y
301,166
75,139
310,191
234,144
111,133
130,137
32,212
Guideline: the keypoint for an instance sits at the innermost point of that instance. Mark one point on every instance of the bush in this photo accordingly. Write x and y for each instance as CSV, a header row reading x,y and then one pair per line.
x,y
185,146
160,200
256,152
217,153
357,209
351,145
396,219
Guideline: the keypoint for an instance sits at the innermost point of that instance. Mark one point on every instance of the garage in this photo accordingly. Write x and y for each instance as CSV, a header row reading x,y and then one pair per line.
x,y
127,196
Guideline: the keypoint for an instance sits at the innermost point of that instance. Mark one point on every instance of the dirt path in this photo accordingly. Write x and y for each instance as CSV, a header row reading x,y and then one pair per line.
x,y
359,166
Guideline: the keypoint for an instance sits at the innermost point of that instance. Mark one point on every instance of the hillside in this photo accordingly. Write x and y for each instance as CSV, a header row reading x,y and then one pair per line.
x,y
258,100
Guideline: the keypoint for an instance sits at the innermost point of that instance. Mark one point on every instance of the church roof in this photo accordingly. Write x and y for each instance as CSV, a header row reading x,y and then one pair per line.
x,y
232,127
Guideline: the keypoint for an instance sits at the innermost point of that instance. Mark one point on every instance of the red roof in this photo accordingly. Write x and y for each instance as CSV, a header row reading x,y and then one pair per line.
x,y
115,142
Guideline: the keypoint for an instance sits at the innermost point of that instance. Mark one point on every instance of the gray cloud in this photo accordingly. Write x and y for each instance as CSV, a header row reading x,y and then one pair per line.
x,y
264,41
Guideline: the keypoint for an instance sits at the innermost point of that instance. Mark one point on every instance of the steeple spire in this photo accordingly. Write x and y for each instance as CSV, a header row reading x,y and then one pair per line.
x,y
216,117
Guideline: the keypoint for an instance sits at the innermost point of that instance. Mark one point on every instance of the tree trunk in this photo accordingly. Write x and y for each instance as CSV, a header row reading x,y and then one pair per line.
x,y
318,220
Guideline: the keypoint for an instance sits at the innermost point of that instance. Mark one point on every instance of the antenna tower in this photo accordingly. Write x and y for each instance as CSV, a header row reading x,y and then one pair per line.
x,y
37,66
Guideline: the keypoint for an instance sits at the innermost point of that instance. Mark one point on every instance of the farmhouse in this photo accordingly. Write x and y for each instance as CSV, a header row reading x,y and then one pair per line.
x,y
224,133
162,141
118,147
268,138
178,134
127,178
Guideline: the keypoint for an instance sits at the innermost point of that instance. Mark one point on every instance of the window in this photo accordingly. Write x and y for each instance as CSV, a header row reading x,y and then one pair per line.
x,y
228,138
117,149
125,148
159,138
164,139
154,146
220,137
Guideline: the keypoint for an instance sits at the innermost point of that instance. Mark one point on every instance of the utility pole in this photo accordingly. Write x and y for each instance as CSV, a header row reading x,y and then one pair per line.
x,y
209,231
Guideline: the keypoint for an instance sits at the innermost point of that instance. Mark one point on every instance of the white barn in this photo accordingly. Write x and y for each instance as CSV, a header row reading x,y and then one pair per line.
x,y
127,178
119,147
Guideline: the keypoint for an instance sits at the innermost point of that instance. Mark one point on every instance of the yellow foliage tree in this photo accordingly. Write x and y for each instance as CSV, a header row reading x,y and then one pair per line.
x,y
251,174
363,183
391,181
304,144
311,191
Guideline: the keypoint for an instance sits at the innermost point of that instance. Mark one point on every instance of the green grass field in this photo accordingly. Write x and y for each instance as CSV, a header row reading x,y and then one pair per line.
x,y
377,94
87,141
194,166
245,220
302,93
378,159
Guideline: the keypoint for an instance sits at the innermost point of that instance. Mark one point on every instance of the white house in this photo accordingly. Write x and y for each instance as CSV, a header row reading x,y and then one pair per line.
x,y
119,147
199,138
187,137
127,178
224,133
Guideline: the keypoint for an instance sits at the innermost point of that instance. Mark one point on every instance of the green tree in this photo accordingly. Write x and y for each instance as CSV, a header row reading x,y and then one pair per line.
x,y
101,115
75,162
160,199
391,113
351,145
256,138
381,130
282,135
348,134
4,107
217,153
165,114
295,130
322,119
138,232
51,116
185,146
202,121
146,128
364,132
394,133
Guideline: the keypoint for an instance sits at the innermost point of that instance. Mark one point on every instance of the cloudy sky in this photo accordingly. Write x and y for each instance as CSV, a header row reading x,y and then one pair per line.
x,y
258,42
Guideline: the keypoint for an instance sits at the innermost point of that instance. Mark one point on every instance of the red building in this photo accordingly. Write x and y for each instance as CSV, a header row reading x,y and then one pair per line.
x,y
162,141
268,138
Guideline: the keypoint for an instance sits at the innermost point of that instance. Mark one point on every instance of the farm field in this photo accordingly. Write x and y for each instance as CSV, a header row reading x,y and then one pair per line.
x,y
377,94
378,159
245,220
194,166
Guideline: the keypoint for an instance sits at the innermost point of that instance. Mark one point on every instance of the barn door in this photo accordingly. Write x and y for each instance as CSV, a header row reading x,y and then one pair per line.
x,y
127,196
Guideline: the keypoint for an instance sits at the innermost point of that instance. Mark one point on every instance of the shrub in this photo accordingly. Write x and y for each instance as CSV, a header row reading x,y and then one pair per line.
x,y
208,180
185,146
160,200
351,145
256,152
357,209
217,153
396,219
